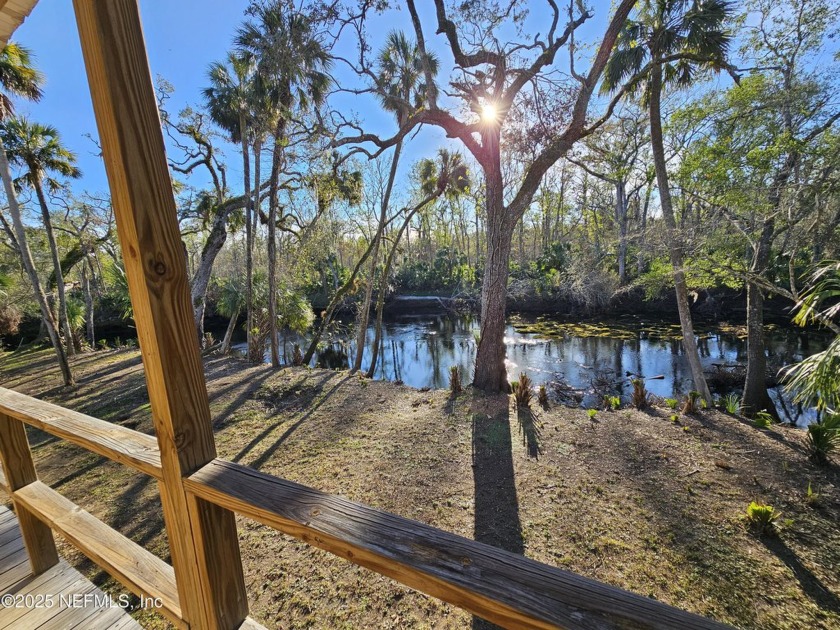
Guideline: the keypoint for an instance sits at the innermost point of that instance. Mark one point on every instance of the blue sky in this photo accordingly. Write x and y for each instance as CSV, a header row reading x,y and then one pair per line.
x,y
182,38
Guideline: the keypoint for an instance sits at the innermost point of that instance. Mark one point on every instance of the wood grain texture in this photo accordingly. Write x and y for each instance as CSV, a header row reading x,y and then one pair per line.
x,y
120,444
141,192
139,570
19,471
503,587
60,581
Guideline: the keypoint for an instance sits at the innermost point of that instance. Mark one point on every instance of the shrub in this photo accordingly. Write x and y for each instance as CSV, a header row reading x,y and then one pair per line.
x,y
690,402
611,403
522,390
102,344
641,399
672,403
812,498
591,413
455,380
675,418
762,419
297,355
542,396
762,519
732,403
824,438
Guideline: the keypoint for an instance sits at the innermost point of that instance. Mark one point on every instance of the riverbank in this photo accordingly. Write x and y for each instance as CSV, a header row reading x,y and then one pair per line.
x,y
627,497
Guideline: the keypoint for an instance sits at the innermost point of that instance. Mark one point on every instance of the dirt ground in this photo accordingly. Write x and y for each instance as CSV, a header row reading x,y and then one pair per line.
x,y
631,498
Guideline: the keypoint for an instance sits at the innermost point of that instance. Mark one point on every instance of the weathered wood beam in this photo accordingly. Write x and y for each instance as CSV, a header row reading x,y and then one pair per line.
x,y
503,587
120,444
139,570
203,539
19,472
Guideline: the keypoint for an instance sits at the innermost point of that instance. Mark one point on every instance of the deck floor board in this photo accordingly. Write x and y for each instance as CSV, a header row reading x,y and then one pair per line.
x,y
62,582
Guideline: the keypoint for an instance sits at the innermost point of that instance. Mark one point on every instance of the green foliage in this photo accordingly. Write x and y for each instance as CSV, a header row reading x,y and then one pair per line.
x,y
522,391
762,519
816,380
762,419
293,310
824,438
612,403
672,403
732,403
640,398
812,497
448,271
75,313
591,413
455,380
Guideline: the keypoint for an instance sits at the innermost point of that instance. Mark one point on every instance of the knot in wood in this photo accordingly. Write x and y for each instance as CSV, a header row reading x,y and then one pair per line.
x,y
160,268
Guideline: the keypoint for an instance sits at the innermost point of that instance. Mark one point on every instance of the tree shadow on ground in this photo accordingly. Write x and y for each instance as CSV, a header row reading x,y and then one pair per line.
x,y
810,583
529,428
312,394
496,504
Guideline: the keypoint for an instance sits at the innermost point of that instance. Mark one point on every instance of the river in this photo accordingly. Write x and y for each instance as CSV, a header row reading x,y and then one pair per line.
x,y
579,361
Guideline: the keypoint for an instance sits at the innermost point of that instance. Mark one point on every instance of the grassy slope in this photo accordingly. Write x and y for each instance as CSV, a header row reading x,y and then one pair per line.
x,y
629,498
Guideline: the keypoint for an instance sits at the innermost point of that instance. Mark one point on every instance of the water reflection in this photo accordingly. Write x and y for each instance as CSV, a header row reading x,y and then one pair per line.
x,y
419,350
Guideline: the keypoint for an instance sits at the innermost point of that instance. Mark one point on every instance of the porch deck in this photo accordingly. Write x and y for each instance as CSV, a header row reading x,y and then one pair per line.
x,y
66,598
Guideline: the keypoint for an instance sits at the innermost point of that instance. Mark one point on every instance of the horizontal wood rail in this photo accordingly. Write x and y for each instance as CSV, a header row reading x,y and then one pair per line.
x,y
500,586
120,444
139,570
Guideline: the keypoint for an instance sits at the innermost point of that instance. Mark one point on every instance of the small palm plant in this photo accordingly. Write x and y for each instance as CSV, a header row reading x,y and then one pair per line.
x,y
522,391
641,399
824,438
732,403
762,519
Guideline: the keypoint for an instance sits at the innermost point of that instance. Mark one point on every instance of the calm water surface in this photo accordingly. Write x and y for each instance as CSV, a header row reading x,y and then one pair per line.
x,y
589,358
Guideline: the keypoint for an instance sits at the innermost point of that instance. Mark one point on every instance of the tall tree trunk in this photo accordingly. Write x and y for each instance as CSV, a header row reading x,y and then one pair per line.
x,y
621,218
674,238
228,338
255,355
755,397
273,202
201,279
640,259
28,264
490,373
383,284
333,305
91,333
364,313
249,230
56,260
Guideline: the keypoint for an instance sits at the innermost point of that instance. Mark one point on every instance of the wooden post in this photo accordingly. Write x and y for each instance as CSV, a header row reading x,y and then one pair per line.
x,y
20,471
202,536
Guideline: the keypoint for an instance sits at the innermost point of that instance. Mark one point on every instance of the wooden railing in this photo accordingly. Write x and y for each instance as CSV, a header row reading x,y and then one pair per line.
x,y
505,588
205,587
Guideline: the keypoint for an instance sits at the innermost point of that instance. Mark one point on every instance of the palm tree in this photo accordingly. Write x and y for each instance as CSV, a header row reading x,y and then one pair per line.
x,y
230,98
668,43
18,77
38,149
816,380
447,176
401,88
292,64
